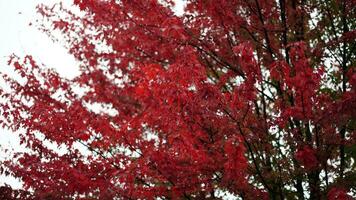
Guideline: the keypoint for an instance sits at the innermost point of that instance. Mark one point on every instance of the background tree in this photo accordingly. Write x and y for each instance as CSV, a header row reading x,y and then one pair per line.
x,y
252,97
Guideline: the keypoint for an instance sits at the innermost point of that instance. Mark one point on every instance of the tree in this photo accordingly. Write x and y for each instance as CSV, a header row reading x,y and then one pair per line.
x,y
251,97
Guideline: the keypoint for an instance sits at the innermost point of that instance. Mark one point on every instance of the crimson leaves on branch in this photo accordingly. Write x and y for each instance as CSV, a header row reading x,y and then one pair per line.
x,y
255,98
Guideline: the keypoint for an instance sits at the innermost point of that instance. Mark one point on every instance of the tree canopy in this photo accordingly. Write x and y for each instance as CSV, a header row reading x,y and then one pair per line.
x,y
252,98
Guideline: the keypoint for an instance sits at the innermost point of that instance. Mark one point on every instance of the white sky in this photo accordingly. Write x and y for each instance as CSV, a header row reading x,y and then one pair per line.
x,y
20,38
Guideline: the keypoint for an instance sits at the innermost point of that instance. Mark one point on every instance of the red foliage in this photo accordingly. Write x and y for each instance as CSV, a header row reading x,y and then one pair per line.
x,y
253,98
307,157
338,194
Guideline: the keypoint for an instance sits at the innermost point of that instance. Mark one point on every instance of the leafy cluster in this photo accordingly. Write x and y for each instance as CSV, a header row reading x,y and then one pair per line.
x,y
255,98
